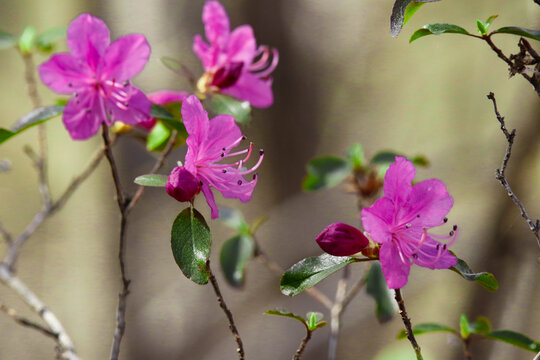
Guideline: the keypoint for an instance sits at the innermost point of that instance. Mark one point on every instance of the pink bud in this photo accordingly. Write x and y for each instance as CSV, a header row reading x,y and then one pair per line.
x,y
340,239
182,185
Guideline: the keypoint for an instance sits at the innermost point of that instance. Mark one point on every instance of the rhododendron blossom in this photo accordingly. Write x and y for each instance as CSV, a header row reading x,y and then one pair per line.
x,y
340,239
233,63
400,222
98,74
163,98
209,142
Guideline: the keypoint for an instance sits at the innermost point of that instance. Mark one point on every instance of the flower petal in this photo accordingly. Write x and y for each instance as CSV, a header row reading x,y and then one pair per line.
x,y
222,132
83,116
204,51
395,271
398,179
253,89
205,188
87,38
65,74
431,201
195,120
134,111
181,184
125,57
216,24
377,220
242,45
429,251
164,97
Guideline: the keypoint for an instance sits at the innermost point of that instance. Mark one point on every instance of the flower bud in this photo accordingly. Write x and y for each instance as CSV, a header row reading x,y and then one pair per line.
x,y
340,239
182,185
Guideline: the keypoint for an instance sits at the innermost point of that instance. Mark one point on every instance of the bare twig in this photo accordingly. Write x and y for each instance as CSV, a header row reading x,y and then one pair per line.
x,y
537,357
6,234
303,345
65,344
466,348
335,314
223,305
407,323
12,313
500,174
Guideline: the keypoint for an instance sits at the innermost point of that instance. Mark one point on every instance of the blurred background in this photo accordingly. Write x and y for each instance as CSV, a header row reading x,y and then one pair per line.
x,y
341,79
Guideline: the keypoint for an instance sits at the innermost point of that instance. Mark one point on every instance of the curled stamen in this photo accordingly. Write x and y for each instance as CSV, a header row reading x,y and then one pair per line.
x,y
261,152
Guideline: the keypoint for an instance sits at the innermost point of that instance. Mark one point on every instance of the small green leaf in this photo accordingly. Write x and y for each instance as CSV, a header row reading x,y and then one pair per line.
x,y
45,41
487,280
515,338
163,114
420,160
481,325
310,271
235,253
437,29
27,40
426,328
325,172
7,40
314,321
383,159
177,67
158,138
223,104
464,326
190,243
288,314
519,31
356,156
482,28
34,117
5,134
233,219
378,289
402,12
152,180
490,20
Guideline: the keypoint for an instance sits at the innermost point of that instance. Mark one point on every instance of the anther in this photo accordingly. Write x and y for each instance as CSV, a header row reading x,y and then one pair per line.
x,y
125,83
222,154
444,247
244,137
438,247
445,220
126,104
223,149
418,215
224,171
454,227
239,182
408,226
415,256
200,183
451,233
261,152
254,176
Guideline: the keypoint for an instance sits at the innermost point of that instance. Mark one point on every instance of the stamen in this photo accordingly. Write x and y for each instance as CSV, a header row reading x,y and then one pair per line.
x,y
239,182
445,220
261,157
418,216
408,226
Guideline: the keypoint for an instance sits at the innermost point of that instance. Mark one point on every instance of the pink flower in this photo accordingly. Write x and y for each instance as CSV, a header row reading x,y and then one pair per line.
x,y
340,239
400,221
163,98
97,73
233,63
209,142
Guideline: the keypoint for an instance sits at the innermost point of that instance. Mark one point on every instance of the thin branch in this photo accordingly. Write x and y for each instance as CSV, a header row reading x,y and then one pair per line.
x,y
12,313
466,348
354,291
303,345
407,323
65,344
500,174
6,234
223,305
335,314
537,357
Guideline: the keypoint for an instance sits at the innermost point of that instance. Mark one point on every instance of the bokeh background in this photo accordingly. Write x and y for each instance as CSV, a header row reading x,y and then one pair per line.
x,y
341,79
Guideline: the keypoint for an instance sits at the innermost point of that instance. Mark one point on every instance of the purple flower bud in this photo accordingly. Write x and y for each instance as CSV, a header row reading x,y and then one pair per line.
x,y
340,239
182,185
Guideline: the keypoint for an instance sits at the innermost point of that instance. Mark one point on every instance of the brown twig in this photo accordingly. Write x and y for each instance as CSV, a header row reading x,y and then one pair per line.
x,y
303,345
500,174
335,314
407,323
466,348
6,235
223,305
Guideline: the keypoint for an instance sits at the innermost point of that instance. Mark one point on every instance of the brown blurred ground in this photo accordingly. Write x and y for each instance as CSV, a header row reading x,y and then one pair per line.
x,y
341,79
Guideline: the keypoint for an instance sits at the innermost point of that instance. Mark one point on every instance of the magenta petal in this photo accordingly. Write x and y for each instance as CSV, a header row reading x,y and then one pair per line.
x,y
87,38
242,45
210,200
136,111
83,116
377,220
182,185
395,271
125,58
195,120
164,97
204,52
250,88
222,131
398,179
65,74
429,251
340,239
216,24
232,185
431,201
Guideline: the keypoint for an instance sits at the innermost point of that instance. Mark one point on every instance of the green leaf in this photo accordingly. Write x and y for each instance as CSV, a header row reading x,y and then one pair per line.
x,y
481,325
482,28
27,40
152,180
7,40
383,159
487,280
233,219
515,338
325,172
519,31
235,253
310,271
402,12
378,289
464,326
34,117
177,67
356,156
223,104
420,160
45,41
314,321
190,243
288,314
163,114
490,20
426,328
312,324
158,137
437,29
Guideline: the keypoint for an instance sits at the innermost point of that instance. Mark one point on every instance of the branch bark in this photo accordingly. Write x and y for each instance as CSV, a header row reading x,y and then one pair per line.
x,y
407,323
